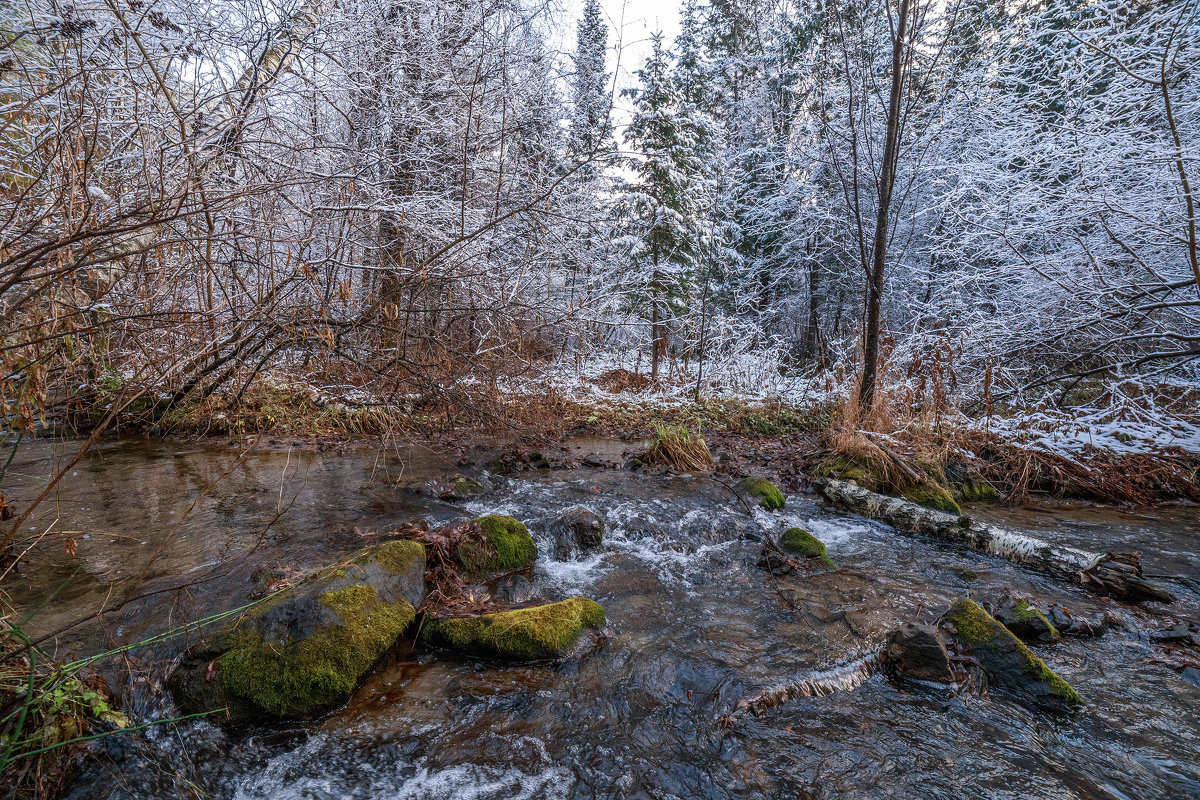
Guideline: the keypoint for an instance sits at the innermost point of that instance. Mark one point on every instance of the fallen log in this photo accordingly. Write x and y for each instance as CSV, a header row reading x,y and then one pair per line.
x,y
1114,574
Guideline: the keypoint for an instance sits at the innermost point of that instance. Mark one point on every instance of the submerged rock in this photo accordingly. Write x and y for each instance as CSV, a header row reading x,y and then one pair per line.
x,y
1008,662
800,542
577,528
546,631
965,573
1069,624
919,652
504,544
1025,621
763,492
304,650
455,488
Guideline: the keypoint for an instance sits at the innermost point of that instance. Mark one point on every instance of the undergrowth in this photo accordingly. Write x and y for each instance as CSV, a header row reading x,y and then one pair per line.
x,y
680,448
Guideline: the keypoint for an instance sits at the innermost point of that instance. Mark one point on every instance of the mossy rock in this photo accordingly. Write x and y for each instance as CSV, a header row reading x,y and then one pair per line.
x,y
1013,666
304,650
455,488
507,546
546,631
1026,622
862,471
802,543
766,493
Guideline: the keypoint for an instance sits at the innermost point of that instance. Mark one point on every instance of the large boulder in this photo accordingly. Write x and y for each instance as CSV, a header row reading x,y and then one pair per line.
x,y
537,632
1009,664
304,650
919,652
576,529
501,544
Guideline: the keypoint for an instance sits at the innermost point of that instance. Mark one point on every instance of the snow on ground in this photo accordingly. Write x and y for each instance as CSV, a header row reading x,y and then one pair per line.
x,y
747,377
1128,423
1120,429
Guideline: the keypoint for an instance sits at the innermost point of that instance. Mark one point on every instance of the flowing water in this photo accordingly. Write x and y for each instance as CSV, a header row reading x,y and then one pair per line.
x,y
694,628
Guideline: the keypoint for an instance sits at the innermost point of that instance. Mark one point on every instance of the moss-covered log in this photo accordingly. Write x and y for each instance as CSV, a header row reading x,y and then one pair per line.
x,y
1115,574
1007,660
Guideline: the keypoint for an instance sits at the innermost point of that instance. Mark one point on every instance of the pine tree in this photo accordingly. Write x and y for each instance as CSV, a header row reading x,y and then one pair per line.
x,y
663,200
591,127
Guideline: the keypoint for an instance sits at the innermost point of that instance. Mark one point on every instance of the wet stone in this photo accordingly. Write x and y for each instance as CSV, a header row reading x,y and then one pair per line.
x,y
576,529
514,590
1008,663
1026,621
919,652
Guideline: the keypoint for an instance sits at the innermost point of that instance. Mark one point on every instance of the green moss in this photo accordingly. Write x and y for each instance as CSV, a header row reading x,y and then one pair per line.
x,y
803,543
300,679
508,545
931,495
1023,612
976,489
972,623
966,573
398,556
977,628
767,493
848,469
872,475
539,632
465,487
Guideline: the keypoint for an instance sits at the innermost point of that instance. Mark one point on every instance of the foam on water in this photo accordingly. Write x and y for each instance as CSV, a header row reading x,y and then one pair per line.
x,y
474,782
318,771
836,533
570,575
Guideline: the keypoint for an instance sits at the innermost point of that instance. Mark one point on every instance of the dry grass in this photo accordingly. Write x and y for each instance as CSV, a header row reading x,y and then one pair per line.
x,y
679,447
622,380
1137,478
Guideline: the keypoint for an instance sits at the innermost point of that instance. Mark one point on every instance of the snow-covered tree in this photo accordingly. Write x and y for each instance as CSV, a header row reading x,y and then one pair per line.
x,y
591,131
664,201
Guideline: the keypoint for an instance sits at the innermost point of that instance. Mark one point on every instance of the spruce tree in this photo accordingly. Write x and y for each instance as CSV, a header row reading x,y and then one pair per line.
x,y
662,199
591,127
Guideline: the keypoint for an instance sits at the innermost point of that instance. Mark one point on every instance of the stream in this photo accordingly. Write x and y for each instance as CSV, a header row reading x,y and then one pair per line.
x,y
694,625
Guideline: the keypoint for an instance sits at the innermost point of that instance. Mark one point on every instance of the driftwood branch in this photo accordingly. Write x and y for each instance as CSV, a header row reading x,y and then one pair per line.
x,y
1115,574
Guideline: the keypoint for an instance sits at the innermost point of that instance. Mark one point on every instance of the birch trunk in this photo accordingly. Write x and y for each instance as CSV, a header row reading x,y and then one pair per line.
x,y
1115,574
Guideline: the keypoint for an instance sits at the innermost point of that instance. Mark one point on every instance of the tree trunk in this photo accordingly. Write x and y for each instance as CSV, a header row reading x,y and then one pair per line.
x,y
887,178
1114,574
812,332
655,324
